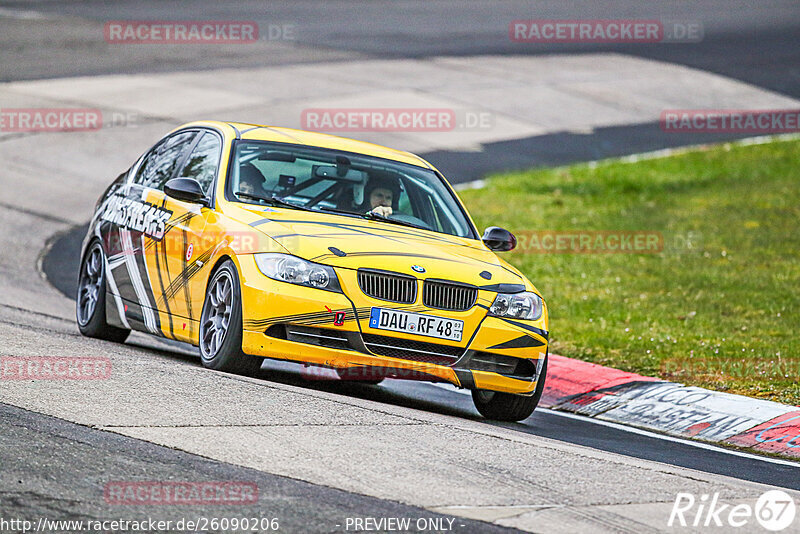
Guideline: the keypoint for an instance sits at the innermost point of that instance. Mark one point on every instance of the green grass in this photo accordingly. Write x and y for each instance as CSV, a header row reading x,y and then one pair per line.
x,y
719,307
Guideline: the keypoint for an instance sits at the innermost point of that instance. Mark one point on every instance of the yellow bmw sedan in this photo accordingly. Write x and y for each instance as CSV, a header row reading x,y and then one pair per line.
x,y
256,242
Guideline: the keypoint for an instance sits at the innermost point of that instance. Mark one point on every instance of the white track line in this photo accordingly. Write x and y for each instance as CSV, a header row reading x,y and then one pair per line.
x,y
21,14
642,432
665,437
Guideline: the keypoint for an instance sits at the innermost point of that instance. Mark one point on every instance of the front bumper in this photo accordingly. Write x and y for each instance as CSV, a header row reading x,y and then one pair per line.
x,y
328,329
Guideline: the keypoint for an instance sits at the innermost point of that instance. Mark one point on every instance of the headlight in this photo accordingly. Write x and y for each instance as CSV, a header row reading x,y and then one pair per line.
x,y
294,270
525,305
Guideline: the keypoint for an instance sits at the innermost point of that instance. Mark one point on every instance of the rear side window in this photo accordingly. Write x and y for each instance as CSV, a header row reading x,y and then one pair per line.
x,y
162,162
203,162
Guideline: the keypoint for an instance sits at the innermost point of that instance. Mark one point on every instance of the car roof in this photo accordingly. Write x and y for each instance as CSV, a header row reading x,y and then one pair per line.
x,y
259,132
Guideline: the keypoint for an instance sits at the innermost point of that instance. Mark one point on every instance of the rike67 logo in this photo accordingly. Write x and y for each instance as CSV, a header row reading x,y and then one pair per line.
x,y
774,510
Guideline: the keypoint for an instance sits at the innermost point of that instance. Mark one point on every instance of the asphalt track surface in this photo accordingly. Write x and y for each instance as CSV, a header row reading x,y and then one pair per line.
x,y
745,42
751,41
748,41
64,465
581,431
422,396
548,424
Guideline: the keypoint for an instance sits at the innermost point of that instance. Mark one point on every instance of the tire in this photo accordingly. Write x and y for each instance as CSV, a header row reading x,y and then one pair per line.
x,y
221,325
500,406
90,302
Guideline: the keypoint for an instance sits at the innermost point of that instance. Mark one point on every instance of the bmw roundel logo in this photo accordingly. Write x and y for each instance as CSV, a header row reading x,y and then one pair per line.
x,y
417,269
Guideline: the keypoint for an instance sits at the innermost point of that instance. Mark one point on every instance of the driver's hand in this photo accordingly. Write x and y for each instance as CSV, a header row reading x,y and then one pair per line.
x,y
382,211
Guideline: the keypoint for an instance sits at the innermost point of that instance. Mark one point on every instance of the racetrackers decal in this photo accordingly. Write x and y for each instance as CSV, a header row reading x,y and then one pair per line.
x,y
138,216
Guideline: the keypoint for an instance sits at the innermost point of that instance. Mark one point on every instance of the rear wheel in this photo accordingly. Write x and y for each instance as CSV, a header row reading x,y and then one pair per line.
x,y
507,406
90,302
221,325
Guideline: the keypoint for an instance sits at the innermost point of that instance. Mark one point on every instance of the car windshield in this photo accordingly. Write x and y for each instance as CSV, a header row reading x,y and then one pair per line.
x,y
344,183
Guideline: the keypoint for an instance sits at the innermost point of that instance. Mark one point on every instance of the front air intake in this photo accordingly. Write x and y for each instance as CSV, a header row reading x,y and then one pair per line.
x,y
448,295
388,286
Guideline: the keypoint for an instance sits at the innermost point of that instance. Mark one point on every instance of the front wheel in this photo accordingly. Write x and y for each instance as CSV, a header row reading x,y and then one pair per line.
x,y
221,325
90,302
507,406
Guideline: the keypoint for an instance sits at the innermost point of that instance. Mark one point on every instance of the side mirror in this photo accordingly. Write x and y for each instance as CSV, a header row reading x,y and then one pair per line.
x,y
499,239
186,189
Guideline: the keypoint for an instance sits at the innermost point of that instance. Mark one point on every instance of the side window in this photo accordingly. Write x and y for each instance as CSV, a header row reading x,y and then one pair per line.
x,y
160,164
147,162
203,161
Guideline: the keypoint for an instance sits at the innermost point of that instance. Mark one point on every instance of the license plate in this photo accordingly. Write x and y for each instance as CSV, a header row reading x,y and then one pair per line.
x,y
416,323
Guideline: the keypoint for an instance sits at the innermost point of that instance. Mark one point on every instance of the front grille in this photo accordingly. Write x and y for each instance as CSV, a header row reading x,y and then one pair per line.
x,y
448,295
505,365
322,337
386,286
408,349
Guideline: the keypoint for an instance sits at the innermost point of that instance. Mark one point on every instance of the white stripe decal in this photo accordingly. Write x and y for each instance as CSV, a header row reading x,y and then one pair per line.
x,y
116,261
114,290
136,280
117,298
146,269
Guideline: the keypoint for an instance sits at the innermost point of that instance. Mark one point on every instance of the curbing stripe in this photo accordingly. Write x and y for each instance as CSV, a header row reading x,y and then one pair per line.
x,y
676,409
689,442
688,412
567,377
780,435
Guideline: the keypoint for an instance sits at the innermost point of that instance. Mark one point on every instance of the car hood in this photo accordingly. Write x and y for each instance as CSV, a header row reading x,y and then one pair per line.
x,y
353,243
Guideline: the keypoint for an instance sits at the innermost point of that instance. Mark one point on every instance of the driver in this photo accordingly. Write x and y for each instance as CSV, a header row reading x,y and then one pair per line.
x,y
251,180
380,195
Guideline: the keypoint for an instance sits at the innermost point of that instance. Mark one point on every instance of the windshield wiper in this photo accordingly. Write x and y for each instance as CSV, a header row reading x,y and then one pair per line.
x,y
275,201
376,217
343,212
373,217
